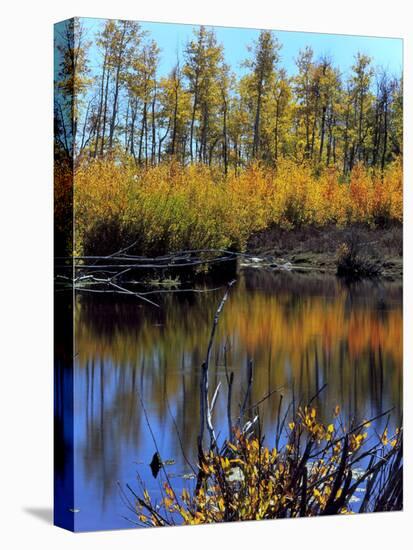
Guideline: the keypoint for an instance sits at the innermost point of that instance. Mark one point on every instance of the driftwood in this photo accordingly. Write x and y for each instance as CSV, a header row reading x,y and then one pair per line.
x,y
183,258
120,263
112,273
118,272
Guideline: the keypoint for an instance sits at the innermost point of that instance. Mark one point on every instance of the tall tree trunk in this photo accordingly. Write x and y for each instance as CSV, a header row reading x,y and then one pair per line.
x,y
82,142
142,132
126,137
153,144
345,152
132,129
376,136
203,150
256,140
146,134
314,129
236,155
116,92
100,108
175,117
360,128
161,140
385,131
194,108
322,132
105,106
276,130
330,125
307,123
225,138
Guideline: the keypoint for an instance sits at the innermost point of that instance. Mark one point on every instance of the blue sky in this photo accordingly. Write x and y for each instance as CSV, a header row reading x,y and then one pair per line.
x,y
172,37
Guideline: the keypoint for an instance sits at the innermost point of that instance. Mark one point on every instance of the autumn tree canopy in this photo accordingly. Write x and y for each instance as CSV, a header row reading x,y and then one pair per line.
x,y
203,112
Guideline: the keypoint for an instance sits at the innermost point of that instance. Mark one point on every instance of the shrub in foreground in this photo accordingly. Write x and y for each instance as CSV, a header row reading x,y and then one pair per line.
x,y
321,470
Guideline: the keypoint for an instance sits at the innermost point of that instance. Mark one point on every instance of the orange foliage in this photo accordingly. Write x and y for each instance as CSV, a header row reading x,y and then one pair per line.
x,y
169,207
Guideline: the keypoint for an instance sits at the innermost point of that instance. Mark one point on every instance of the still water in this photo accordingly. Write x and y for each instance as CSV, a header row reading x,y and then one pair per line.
x,y
300,332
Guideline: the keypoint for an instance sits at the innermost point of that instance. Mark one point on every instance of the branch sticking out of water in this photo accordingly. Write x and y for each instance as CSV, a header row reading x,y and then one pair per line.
x,y
206,409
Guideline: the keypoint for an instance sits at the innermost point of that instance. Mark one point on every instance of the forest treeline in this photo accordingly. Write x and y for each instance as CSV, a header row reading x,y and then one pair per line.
x,y
111,101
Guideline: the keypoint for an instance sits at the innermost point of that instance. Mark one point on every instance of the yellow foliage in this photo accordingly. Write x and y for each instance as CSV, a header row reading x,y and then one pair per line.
x,y
260,483
171,207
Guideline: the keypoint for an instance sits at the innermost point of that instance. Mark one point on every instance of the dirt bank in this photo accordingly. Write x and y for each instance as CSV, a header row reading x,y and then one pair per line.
x,y
313,248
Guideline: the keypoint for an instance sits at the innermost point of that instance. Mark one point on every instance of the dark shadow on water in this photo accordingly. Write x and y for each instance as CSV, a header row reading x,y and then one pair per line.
x,y
44,514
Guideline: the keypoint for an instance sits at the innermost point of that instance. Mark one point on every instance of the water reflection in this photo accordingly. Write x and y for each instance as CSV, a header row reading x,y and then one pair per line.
x,y
299,331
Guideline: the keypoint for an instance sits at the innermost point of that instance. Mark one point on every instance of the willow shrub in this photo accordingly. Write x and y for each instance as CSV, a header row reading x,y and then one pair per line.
x,y
320,470
169,207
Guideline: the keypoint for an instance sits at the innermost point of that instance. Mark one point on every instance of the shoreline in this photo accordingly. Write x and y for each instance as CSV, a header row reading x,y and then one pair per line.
x,y
308,249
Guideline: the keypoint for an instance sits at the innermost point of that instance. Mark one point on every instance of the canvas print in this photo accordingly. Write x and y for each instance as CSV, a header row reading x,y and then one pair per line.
x,y
228,274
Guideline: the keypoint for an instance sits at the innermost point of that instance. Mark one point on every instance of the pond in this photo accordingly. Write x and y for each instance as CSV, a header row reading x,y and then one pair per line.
x,y
300,332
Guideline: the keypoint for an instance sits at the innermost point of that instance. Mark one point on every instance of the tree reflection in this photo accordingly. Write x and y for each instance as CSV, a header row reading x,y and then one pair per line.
x,y
300,332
